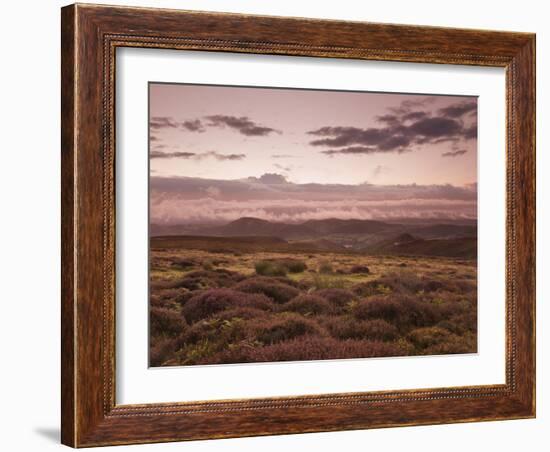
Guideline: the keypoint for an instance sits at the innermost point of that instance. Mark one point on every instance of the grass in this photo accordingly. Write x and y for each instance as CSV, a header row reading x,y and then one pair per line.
x,y
251,305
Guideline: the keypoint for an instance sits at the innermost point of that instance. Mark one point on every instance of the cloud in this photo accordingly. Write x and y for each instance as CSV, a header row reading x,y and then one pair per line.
x,y
167,122
269,178
242,124
280,188
213,191
163,122
414,116
271,197
400,132
282,168
407,105
194,125
471,132
351,150
222,157
196,156
281,156
458,110
454,153
165,210
171,155
389,119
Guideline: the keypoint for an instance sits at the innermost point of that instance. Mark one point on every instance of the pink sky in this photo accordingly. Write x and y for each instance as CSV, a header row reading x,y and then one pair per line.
x,y
294,113
204,135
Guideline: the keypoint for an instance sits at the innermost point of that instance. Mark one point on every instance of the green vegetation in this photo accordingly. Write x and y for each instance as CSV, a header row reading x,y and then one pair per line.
x,y
256,303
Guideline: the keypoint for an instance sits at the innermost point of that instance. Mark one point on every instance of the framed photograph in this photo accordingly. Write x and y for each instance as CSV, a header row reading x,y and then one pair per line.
x,y
281,225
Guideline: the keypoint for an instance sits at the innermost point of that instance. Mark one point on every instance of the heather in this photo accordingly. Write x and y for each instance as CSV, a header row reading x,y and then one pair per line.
x,y
218,307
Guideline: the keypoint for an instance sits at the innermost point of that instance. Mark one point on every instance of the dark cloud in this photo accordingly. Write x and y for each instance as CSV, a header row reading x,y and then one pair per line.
x,y
471,132
163,122
194,125
171,155
414,116
458,110
223,157
242,124
408,105
435,128
400,131
153,138
194,155
389,119
352,150
454,153
166,122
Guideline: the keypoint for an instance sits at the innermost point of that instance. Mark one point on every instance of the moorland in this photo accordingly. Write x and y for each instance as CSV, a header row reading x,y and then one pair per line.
x,y
258,291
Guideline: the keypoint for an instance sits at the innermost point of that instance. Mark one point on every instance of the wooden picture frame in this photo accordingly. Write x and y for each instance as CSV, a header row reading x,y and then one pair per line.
x,y
90,36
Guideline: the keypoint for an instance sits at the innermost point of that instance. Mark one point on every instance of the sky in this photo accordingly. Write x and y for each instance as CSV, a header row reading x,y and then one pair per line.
x,y
220,152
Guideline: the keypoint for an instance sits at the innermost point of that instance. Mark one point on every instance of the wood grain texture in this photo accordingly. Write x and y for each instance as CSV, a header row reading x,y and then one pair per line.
x,y
90,36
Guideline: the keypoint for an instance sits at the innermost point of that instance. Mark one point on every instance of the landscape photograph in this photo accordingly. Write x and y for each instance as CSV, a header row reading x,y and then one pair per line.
x,y
294,224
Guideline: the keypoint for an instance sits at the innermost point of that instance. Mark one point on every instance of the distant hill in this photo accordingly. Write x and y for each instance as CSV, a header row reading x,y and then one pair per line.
x,y
337,226
249,226
406,244
333,234
242,244
444,230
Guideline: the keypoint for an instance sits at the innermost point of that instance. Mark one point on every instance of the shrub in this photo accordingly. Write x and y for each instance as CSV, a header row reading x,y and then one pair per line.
x,y
464,286
218,333
286,327
161,301
378,308
403,312
183,263
184,296
403,281
426,337
200,280
165,322
241,312
270,268
325,267
460,323
431,285
308,304
453,345
280,267
338,297
294,265
306,348
160,351
212,301
367,289
361,269
270,287
349,328
327,282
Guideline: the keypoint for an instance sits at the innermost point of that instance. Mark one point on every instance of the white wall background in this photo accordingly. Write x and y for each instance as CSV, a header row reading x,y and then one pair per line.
x,y
29,190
